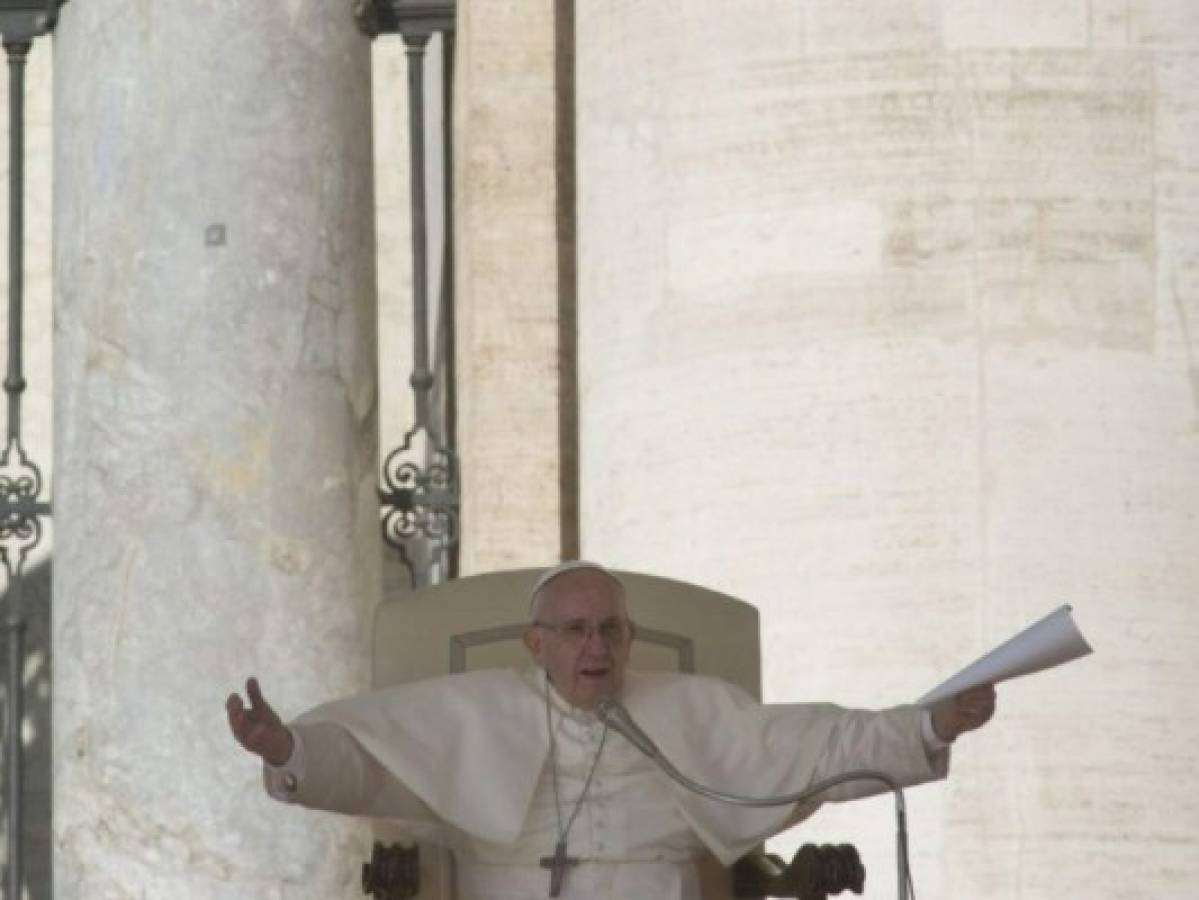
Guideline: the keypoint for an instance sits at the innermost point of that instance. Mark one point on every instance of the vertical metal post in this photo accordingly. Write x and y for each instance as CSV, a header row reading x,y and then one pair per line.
x,y
14,386
14,625
450,342
422,376
14,380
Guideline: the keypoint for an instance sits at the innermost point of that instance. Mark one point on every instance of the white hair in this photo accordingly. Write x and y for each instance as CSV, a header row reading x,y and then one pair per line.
x,y
562,568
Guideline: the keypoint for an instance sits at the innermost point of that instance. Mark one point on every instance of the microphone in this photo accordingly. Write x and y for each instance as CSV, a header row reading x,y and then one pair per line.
x,y
616,717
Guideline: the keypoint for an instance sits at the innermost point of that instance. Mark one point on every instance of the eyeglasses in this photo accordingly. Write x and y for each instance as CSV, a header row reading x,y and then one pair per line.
x,y
579,631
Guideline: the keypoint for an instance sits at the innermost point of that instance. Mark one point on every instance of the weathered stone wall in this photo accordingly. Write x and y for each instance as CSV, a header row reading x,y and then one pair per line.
x,y
507,284
888,325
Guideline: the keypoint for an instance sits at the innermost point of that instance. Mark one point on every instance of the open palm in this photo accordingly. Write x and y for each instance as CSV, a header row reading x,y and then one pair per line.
x,y
258,728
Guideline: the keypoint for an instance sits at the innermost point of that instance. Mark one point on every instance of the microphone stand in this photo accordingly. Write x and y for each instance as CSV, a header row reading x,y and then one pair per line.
x,y
618,719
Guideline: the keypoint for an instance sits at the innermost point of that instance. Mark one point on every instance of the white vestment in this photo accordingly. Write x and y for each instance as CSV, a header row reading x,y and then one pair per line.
x,y
464,760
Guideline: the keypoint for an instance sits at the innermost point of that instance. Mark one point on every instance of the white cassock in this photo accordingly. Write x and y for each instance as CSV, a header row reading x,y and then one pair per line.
x,y
464,760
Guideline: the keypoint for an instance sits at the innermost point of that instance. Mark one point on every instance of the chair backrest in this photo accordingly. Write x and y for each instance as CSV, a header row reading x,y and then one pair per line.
x,y
477,622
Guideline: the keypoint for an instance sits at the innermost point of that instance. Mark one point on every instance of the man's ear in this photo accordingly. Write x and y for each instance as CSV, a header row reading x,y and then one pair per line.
x,y
532,642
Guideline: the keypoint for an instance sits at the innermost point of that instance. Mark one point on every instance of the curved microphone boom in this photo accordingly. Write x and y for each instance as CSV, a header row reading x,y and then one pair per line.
x,y
616,717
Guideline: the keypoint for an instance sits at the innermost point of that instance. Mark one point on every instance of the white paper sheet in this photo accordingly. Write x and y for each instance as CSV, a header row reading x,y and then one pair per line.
x,y
1050,642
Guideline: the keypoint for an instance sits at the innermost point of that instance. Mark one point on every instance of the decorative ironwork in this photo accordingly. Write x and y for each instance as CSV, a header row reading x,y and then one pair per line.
x,y
420,495
21,21
24,20
406,17
420,492
20,508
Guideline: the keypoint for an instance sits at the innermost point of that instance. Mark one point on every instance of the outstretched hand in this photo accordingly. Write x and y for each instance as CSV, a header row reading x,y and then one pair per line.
x,y
964,712
259,729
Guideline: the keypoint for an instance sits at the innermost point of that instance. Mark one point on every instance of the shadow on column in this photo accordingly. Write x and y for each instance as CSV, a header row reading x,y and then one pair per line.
x,y
36,791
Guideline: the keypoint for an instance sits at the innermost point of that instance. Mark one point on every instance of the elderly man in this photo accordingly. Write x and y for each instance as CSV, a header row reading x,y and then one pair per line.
x,y
517,774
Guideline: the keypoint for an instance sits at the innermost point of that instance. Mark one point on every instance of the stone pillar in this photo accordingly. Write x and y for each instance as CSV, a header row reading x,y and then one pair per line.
x,y
215,433
888,325
510,344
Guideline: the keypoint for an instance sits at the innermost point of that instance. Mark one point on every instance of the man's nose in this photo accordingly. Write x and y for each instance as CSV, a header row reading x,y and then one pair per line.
x,y
595,642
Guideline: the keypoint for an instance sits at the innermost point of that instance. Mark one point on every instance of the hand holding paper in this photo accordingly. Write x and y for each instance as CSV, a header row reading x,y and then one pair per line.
x,y
1050,642
963,712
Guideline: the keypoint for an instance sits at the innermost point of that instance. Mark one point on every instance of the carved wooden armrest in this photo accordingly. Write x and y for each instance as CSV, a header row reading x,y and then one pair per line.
x,y
393,872
813,874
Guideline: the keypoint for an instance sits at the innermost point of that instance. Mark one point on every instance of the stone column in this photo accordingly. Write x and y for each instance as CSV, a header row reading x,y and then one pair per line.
x,y
508,283
888,325
215,432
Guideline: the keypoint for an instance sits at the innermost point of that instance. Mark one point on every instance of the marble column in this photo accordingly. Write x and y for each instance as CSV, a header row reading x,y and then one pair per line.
x,y
888,325
215,432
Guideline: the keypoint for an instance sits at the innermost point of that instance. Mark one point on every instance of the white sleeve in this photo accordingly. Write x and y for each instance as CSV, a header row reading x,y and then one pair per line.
x,y
932,743
894,741
329,770
282,782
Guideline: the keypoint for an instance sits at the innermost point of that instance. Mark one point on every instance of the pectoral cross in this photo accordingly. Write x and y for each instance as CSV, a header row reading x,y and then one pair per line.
x,y
557,865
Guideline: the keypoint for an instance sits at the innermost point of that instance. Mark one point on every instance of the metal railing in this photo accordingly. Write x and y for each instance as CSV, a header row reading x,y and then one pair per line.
x,y
21,503
420,493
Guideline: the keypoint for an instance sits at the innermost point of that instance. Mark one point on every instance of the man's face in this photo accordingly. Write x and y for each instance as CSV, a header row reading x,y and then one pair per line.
x,y
584,637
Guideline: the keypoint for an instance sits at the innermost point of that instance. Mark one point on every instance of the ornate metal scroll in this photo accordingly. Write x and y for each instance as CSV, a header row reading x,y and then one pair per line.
x,y
420,502
420,491
21,506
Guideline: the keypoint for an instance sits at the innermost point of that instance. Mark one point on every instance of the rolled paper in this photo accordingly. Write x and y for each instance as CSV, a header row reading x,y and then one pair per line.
x,y
1052,641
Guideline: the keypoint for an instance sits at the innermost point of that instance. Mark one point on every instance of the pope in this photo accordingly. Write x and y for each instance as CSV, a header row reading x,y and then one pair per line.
x,y
516,773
